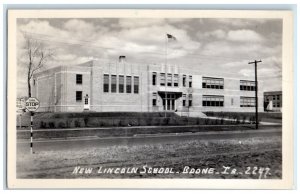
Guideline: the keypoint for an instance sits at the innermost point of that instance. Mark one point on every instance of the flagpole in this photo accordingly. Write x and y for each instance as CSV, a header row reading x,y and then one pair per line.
x,y
166,61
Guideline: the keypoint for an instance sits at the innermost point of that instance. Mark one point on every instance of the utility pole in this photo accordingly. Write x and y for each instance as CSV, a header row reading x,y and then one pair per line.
x,y
256,88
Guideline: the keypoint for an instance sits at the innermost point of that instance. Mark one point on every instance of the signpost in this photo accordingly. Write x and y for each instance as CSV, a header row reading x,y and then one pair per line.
x,y
20,109
32,104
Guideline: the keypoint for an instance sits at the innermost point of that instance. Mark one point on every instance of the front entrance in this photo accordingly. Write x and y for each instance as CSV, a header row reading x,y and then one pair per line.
x,y
169,102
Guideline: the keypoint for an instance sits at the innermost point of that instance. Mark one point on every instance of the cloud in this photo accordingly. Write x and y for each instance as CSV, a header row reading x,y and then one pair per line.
x,y
221,43
236,22
135,23
244,36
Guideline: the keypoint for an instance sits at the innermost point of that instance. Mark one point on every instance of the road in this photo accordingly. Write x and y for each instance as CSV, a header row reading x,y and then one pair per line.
x,y
95,141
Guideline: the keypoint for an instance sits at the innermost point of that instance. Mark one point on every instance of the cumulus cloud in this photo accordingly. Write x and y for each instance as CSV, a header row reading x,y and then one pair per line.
x,y
244,36
221,43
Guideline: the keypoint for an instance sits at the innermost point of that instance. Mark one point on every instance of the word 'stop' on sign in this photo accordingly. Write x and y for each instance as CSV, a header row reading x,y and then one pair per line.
x,y
32,104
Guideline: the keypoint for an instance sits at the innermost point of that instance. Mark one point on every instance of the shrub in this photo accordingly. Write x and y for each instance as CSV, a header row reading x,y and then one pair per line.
x,y
61,124
51,125
43,125
86,120
77,123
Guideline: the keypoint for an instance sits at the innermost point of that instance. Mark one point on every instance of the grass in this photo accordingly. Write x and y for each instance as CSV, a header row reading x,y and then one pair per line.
x,y
129,132
60,164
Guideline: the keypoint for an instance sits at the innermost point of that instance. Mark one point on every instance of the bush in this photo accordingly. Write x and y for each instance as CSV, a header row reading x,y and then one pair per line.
x,y
86,120
61,124
77,123
51,125
43,125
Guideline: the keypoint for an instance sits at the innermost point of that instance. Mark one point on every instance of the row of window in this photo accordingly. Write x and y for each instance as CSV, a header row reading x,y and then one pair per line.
x,y
214,83
247,102
274,97
247,85
123,81
210,100
171,80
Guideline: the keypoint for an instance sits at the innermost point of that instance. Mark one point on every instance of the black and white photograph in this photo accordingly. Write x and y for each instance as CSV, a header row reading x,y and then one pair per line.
x,y
168,97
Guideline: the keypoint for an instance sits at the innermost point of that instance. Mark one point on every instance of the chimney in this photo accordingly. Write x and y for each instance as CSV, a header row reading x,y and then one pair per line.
x,y
122,59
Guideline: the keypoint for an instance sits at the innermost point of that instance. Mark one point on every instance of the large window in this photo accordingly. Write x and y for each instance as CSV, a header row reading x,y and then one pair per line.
x,y
106,83
78,78
154,99
183,99
176,79
154,77
190,100
113,83
162,79
247,85
121,83
169,79
78,96
128,84
213,83
136,85
190,81
247,101
212,100
184,80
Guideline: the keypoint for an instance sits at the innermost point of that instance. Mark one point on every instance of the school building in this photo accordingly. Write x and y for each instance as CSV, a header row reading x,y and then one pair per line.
x,y
273,101
123,86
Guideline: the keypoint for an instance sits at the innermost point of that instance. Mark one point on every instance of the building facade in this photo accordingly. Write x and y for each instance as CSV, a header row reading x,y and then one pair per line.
x,y
273,101
128,87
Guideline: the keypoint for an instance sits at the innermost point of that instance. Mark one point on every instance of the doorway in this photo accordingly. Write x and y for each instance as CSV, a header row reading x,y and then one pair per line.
x,y
169,102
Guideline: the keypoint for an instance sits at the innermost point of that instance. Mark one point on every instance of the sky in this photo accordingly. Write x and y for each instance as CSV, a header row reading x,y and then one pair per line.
x,y
223,45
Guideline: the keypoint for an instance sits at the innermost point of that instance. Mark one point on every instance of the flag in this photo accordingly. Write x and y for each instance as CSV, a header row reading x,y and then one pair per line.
x,y
171,37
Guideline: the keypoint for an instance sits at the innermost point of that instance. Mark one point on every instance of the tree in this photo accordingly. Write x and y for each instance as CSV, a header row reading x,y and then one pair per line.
x,y
38,56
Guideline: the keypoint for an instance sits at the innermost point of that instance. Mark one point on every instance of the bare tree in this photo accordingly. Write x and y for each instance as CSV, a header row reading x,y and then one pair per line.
x,y
38,55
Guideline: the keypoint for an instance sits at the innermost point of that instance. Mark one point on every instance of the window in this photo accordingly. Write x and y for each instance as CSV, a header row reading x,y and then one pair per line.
x,y
86,101
34,82
190,81
169,79
106,83
190,100
136,84
278,97
183,99
162,79
184,80
231,101
78,96
113,83
247,101
154,78
176,79
78,78
128,84
154,99
247,85
213,83
274,98
121,83
212,100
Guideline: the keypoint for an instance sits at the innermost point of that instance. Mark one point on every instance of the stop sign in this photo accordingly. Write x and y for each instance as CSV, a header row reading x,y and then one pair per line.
x,y
32,104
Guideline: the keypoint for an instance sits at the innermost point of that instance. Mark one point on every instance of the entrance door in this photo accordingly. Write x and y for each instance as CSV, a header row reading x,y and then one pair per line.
x,y
169,102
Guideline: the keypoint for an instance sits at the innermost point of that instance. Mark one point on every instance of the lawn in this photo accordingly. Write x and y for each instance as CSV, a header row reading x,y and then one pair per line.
x,y
239,154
